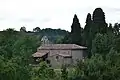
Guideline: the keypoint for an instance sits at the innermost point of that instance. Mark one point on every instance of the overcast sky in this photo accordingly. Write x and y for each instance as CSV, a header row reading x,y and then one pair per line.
x,y
53,13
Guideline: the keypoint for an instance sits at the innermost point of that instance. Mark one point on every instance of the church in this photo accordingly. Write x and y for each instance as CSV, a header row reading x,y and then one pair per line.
x,y
59,54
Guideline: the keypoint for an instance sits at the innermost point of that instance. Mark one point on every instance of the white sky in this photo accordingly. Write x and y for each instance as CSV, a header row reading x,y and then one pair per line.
x,y
53,13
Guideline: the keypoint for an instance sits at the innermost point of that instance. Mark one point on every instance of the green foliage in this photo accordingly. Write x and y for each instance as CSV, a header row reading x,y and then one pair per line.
x,y
87,29
59,39
98,25
75,36
15,52
54,35
102,44
76,31
23,29
99,67
37,29
64,73
116,28
13,70
98,16
43,72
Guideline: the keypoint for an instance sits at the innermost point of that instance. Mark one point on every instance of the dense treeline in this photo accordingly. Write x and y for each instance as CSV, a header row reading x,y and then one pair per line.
x,y
95,24
102,40
15,51
54,35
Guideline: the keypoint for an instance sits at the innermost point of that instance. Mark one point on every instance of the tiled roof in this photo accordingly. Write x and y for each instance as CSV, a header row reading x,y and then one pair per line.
x,y
38,54
61,46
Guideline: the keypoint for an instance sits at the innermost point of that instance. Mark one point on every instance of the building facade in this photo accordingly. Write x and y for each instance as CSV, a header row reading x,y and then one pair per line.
x,y
60,54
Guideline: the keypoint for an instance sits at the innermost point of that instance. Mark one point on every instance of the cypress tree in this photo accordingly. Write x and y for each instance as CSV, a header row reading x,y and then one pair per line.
x,y
87,29
98,16
76,31
98,25
75,25
88,19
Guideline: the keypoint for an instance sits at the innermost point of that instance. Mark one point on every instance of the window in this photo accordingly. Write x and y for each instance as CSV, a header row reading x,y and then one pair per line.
x,y
57,58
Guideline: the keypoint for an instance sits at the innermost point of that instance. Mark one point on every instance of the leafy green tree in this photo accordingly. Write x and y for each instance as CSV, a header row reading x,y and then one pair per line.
x,y
23,29
43,72
15,52
64,73
99,67
59,39
116,28
117,44
7,39
12,70
37,29
66,39
102,43
52,34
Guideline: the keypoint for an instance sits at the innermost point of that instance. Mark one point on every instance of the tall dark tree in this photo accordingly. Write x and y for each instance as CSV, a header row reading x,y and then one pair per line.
x,y
88,19
99,16
98,25
76,31
87,29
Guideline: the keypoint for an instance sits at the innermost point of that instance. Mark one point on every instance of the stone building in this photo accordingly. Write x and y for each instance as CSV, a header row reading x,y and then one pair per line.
x,y
59,54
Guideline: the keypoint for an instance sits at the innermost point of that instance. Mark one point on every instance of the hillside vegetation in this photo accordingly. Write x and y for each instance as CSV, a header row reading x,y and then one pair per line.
x,y
101,38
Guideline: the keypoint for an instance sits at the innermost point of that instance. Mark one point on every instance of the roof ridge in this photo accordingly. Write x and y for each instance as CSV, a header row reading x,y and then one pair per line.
x,y
62,46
